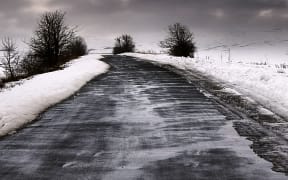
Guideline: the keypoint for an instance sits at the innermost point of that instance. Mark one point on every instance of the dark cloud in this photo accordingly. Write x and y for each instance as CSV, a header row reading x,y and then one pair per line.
x,y
147,18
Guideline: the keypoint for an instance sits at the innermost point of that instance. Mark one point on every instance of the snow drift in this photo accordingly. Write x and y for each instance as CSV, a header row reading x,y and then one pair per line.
x,y
23,103
264,83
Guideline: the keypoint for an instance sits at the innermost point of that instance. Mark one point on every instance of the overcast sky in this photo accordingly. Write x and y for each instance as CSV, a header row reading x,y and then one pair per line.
x,y
99,21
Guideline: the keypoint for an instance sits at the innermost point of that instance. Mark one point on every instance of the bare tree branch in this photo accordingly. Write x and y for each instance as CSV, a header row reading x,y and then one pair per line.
x,y
10,59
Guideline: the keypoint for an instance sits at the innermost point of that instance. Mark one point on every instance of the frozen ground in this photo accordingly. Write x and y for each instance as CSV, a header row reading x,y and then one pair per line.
x,y
23,103
264,83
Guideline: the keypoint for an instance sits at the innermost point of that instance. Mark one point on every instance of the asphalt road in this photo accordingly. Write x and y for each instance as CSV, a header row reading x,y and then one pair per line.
x,y
139,122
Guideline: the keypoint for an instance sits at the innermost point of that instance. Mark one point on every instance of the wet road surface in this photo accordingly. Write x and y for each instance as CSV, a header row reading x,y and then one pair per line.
x,y
139,122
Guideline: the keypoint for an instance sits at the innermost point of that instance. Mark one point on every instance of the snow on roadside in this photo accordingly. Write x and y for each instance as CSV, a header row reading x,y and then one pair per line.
x,y
267,84
22,104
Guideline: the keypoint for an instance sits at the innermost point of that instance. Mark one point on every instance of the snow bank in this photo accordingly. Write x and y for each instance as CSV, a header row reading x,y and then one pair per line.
x,y
267,84
23,103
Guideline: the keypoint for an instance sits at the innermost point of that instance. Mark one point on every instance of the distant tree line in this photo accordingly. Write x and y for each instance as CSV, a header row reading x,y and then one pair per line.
x,y
52,44
179,42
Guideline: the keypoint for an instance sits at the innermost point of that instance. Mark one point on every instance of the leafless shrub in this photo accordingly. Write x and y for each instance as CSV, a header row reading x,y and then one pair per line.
x,y
31,64
124,44
77,47
179,41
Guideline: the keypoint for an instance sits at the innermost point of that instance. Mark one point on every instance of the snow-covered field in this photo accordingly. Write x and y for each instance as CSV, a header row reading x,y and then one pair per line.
x,y
264,83
23,103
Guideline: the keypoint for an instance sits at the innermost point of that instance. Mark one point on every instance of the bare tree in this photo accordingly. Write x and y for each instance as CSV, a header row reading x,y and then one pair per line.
x,y
10,59
123,44
51,37
179,41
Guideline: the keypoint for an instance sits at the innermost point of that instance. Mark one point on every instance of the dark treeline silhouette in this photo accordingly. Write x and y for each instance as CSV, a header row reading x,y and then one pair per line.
x,y
55,43
179,42
52,44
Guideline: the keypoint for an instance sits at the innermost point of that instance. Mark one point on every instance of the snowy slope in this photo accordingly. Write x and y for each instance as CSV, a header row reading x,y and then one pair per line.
x,y
23,103
265,83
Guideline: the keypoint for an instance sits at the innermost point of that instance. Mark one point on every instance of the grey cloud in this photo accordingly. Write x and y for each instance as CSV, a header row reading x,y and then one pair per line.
x,y
106,18
162,12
